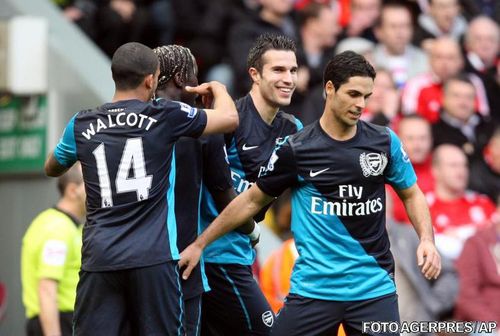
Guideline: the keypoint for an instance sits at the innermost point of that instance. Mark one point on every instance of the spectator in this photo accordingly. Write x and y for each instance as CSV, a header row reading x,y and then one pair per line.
x,y
120,21
486,168
479,278
274,277
272,17
423,94
362,18
459,124
418,298
442,19
394,52
473,8
50,260
456,212
383,105
80,12
318,35
415,134
482,45
203,28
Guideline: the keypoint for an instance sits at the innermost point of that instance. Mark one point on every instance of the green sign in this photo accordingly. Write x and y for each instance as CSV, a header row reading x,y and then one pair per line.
x,y
23,133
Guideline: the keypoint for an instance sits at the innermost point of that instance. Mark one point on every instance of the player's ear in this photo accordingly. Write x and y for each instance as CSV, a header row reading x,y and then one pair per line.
x,y
329,88
254,74
178,81
149,81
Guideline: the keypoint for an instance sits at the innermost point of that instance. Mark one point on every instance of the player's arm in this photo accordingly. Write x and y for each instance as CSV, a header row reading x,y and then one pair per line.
x,y
415,203
49,314
280,174
53,168
223,117
222,200
239,211
64,155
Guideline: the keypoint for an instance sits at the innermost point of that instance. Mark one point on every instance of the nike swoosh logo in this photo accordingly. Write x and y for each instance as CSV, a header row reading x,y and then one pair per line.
x,y
245,147
312,174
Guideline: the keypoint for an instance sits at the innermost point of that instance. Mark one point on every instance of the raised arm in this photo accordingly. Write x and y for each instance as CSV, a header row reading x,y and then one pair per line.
x,y
428,258
223,117
240,210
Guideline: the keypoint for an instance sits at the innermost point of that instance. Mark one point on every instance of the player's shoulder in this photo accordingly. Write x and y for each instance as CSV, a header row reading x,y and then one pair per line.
x,y
306,136
371,129
289,120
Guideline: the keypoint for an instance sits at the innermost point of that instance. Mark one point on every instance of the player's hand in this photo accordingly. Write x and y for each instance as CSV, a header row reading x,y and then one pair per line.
x,y
428,259
189,259
206,91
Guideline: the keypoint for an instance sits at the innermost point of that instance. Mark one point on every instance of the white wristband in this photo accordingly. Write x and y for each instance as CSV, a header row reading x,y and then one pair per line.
x,y
255,234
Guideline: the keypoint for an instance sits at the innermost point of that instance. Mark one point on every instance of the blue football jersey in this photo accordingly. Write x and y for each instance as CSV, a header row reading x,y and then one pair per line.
x,y
338,208
248,150
125,149
197,161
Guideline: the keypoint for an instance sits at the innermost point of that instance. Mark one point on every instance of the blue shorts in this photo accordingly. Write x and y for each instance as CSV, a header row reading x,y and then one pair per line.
x,y
192,315
304,316
139,301
235,305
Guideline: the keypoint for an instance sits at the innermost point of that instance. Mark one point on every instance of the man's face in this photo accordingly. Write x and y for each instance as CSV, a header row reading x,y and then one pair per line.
x,y
452,171
444,13
459,100
279,7
484,41
417,139
445,59
278,78
326,27
347,103
365,10
395,31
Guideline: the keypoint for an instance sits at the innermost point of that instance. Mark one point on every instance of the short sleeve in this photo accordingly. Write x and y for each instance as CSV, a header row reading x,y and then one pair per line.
x,y
298,124
216,172
53,254
65,151
281,170
186,120
400,173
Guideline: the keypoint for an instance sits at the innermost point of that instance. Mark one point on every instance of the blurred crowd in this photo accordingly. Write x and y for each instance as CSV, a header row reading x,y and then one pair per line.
x,y
437,86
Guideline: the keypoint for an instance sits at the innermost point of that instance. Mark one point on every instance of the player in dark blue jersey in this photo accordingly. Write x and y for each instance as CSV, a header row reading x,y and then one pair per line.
x,y
236,305
337,169
197,160
129,280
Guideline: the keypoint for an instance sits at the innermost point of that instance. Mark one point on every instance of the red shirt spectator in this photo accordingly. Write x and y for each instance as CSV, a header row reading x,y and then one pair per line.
x,y
469,210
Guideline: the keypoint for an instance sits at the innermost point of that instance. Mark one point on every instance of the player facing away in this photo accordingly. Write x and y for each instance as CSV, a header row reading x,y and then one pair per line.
x,y
129,280
235,305
196,160
337,168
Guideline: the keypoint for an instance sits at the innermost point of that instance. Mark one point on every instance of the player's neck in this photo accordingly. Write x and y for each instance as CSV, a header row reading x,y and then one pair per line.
x,y
130,94
266,112
335,129
70,208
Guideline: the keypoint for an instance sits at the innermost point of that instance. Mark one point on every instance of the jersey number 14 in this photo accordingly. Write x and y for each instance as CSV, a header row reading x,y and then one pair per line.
x,y
132,157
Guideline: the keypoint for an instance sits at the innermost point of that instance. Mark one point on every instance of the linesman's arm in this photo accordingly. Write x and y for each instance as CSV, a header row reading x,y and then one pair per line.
x,y
49,314
428,257
240,210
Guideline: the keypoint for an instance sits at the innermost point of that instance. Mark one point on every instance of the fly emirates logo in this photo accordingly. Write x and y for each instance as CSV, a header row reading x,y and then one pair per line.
x,y
347,207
